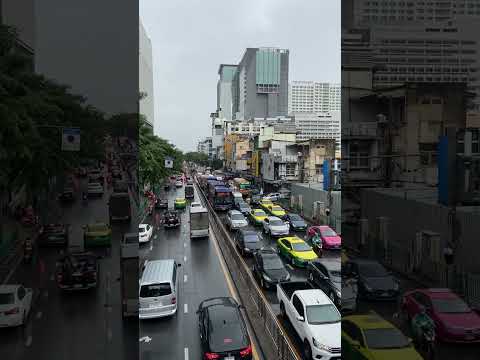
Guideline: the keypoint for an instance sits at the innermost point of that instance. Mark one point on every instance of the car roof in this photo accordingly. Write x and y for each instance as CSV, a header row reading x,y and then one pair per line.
x,y
157,271
247,231
270,218
225,301
292,239
235,212
369,321
314,297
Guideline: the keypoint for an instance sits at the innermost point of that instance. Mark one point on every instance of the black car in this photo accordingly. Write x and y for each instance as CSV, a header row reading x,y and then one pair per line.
x,y
77,271
248,241
161,203
296,222
53,235
374,281
223,332
171,219
326,274
268,268
243,207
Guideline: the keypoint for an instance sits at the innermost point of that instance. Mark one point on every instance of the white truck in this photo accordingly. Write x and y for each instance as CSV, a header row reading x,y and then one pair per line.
x,y
199,224
129,274
314,317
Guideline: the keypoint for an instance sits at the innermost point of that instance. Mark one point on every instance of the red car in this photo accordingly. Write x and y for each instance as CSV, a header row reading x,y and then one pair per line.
x,y
330,239
454,320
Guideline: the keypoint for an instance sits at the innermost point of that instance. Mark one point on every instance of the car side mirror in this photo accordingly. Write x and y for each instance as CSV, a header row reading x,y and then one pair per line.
x,y
300,318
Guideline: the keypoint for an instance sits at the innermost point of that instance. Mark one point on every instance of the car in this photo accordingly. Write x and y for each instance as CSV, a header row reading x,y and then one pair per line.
x,y
53,235
274,226
247,241
274,196
178,183
235,220
180,203
76,271
171,219
349,294
243,207
265,203
454,320
195,204
223,332
161,203
95,189
296,251
370,337
257,216
97,234
296,222
145,232
330,239
276,210
15,305
326,275
268,268
374,281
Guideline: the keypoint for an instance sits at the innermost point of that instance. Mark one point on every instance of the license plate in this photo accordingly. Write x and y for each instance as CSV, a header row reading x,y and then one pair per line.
x,y
229,358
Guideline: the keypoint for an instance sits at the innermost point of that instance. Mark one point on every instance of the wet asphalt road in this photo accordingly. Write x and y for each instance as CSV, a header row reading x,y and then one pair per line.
x,y
200,277
78,325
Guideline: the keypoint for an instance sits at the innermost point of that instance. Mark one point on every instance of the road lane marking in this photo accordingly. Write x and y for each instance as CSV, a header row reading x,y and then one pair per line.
x,y
29,341
146,339
184,245
185,308
184,259
186,353
185,278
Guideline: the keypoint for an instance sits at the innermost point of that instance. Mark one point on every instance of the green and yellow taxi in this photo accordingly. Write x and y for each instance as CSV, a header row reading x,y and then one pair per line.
x,y
370,337
180,203
276,210
257,216
265,203
97,234
296,251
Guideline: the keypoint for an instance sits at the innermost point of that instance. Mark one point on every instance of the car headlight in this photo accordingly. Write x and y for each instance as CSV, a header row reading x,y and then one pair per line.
x,y
319,345
266,278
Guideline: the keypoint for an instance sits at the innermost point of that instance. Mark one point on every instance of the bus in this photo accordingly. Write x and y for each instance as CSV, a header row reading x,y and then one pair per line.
x,y
199,225
243,186
220,196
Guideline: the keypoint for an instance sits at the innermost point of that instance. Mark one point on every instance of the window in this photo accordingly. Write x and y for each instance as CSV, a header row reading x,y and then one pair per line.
x,y
297,304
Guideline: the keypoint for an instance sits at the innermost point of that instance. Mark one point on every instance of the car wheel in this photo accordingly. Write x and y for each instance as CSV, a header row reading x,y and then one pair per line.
x,y
308,350
282,310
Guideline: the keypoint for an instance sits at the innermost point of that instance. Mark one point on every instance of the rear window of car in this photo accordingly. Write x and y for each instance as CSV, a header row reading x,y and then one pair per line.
x,y
259,213
277,223
226,330
7,298
276,208
301,246
328,232
237,217
251,238
155,290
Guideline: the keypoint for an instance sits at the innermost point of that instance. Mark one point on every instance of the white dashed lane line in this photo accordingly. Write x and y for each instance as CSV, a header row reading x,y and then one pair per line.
x,y
185,308
186,353
185,278
184,259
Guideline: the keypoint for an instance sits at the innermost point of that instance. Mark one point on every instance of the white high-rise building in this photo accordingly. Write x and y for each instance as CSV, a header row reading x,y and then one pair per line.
x,y
146,76
313,97
318,125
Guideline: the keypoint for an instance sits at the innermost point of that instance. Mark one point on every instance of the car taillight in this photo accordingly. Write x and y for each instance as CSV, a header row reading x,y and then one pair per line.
x,y
174,300
13,311
211,356
247,351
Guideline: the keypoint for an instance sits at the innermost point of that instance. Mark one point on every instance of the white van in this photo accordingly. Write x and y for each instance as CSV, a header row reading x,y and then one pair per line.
x,y
158,289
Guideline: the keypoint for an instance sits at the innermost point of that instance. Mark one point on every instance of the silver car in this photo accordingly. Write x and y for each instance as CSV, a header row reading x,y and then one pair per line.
x,y
236,220
274,226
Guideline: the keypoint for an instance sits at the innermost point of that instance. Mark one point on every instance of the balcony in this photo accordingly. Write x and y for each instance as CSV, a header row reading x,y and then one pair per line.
x,y
365,130
285,158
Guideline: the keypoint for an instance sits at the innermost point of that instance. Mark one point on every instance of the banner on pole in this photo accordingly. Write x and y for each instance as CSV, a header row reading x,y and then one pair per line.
x,y
71,139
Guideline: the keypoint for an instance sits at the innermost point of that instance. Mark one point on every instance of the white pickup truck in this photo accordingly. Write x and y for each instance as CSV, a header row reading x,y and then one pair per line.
x,y
314,317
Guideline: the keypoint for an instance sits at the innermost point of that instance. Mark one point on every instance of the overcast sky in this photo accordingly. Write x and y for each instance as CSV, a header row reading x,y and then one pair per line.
x,y
191,38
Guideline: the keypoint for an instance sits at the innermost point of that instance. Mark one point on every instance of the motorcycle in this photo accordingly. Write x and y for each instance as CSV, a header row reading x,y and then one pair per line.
x,y
426,343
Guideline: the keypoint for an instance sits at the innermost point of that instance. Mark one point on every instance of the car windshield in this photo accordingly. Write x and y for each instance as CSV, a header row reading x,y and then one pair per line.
x,y
155,290
276,208
328,232
277,223
260,213
7,298
97,227
237,217
142,228
450,306
386,339
372,270
294,217
243,205
301,246
322,314
272,262
250,238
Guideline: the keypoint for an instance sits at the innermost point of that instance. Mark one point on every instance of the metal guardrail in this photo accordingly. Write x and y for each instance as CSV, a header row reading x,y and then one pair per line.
x,y
249,291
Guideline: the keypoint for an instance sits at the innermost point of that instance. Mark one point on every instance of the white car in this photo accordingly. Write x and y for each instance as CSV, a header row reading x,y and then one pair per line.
x,y
237,195
195,204
236,220
274,196
95,188
15,305
145,232
274,226
179,183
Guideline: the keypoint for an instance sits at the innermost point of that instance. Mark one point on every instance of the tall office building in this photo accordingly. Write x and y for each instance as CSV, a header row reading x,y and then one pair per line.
x,y
146,76
318,125
312,97
224,91
260,84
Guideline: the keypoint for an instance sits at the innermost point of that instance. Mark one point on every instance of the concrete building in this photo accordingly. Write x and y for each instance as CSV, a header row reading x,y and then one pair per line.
x,y
146,76
313,97
318,125
312,154
218,137
205,147
224,91
260,84
280,162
